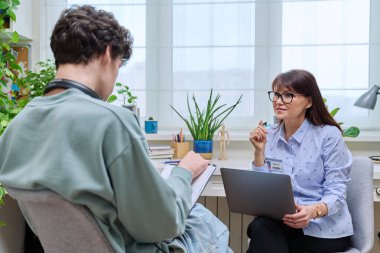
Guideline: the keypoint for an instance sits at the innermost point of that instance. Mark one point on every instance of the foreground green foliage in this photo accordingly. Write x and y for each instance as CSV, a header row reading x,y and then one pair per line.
x,y
9,71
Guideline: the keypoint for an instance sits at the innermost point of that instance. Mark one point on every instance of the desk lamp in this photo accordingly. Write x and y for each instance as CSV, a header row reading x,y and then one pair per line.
x,y
368,99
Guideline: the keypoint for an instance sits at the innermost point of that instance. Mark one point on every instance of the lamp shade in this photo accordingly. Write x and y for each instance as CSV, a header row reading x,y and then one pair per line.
x,y
368,99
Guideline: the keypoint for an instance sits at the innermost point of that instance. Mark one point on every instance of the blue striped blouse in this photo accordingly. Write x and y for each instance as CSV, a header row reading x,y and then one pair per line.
x,y
319,164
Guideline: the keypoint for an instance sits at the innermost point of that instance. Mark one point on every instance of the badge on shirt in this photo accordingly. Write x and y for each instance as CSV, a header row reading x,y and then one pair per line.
x,y
274,164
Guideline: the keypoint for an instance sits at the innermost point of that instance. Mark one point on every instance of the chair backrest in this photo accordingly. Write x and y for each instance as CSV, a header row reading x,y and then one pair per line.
x,y
60,225
360,204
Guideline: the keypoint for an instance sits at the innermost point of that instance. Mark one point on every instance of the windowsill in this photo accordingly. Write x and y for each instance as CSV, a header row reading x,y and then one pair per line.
x,y
364,136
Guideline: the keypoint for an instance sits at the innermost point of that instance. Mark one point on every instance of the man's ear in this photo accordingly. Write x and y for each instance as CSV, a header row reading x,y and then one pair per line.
x,y
106,56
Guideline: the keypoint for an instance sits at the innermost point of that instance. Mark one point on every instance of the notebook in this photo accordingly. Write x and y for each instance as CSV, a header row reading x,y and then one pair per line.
x,y
198,183
258,193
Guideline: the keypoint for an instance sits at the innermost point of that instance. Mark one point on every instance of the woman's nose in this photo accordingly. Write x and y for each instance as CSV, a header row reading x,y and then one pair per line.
x,y
279,101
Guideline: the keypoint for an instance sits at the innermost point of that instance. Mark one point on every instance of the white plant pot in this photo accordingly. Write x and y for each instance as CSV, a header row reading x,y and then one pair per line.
x,y
13,233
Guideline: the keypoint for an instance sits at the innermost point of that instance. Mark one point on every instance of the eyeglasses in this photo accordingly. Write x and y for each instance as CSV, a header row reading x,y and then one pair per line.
x,y
286,97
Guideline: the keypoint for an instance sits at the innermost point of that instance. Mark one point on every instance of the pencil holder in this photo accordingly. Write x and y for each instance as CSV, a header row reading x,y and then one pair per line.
x,y
180,149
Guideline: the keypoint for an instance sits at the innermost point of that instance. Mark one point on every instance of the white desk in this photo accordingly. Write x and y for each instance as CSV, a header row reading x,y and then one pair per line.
x,y
215,187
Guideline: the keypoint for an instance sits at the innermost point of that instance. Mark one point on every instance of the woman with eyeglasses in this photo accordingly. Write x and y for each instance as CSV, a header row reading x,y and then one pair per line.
x,y
309,144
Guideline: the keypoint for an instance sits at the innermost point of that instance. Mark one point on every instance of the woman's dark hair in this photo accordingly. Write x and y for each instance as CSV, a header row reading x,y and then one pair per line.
x,y
83,33
303,82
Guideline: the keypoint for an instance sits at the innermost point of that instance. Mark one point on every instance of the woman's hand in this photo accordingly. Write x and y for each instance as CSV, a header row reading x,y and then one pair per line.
x,y
258,137
301,218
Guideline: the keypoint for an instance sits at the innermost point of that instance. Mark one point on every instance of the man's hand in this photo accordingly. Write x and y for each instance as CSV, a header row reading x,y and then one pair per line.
x,y
194,162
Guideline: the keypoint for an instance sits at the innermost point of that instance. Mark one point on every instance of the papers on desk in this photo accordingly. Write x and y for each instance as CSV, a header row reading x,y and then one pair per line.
x,y
198,184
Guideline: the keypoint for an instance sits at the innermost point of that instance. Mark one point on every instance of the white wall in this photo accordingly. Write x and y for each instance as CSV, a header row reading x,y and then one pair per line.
x,y
28,24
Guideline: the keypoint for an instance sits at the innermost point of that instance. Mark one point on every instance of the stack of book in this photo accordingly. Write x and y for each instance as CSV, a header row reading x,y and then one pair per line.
x,y
161,152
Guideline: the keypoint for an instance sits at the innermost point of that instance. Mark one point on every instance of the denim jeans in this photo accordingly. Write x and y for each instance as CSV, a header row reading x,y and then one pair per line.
x,y
204,233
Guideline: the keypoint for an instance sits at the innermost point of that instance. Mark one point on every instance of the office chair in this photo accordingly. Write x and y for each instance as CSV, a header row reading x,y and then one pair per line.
x,y
360,204
60,225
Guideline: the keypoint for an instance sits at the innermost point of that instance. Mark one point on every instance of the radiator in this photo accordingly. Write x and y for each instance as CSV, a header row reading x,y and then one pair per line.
x,y
236,223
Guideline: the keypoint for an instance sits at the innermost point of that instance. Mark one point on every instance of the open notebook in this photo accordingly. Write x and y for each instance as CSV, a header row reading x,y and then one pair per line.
x,y
198,184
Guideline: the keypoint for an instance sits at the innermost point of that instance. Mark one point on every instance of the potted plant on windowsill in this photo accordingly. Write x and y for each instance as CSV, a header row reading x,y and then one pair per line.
x,y
203,123
129,100
151,126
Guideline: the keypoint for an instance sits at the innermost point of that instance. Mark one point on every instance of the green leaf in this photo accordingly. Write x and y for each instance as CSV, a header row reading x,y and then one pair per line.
x,y
15,110
4,5
2,191
334,112
15,37
111,99
2,194
2,223
4,123
126,93
23,102
12,15
9,73
351,132
15,66
131,99
6,47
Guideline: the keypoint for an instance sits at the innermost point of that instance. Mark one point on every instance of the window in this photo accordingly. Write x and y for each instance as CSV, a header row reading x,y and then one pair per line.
x,y
237,47
332,40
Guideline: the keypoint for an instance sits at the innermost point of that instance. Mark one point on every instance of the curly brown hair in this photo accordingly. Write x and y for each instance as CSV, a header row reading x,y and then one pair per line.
x,y
83,33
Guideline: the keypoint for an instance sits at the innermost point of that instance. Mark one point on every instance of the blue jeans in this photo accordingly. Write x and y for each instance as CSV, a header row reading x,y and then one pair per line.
x,y
204,233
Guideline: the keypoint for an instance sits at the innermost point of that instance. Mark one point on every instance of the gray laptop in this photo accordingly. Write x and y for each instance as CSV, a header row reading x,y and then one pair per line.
x,y
258,193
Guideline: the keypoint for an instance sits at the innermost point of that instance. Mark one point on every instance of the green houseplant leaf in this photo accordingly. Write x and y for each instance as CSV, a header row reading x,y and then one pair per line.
x,y
335,111
126,94
203,123
35,81
111,98
351,131
8,71
3,5
2,194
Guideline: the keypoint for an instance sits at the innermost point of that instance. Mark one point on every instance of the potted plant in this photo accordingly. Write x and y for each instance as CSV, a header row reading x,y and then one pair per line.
x,y
151,126
203,123
11,235
129,100
352,131
31,85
